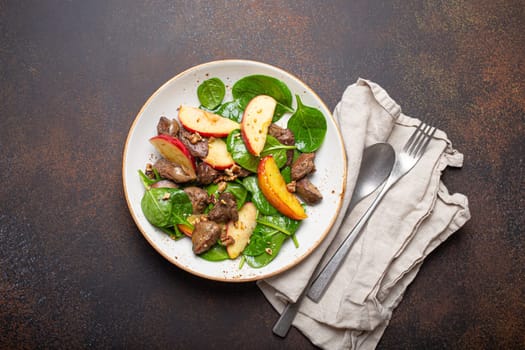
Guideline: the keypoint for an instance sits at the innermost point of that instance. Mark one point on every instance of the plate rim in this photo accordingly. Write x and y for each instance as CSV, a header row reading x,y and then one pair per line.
x,y
173,260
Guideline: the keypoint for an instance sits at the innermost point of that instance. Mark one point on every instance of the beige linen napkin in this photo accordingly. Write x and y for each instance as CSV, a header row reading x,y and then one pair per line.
x,y
414,217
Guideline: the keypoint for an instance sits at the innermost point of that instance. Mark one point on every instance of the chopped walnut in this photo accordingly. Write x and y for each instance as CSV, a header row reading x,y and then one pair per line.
x,y
149,171
226,239
233,171
225,178
236,169
200,218
222,186
195,137
291,186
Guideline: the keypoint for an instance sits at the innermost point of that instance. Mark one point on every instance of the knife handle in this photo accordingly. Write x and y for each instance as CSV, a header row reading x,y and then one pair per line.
x,y
283,324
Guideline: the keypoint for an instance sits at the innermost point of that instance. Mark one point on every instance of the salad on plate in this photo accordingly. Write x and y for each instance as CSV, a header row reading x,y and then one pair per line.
x,y
229,175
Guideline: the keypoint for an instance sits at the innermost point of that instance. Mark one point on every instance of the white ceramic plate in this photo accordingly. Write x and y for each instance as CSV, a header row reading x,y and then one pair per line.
x,y
182,89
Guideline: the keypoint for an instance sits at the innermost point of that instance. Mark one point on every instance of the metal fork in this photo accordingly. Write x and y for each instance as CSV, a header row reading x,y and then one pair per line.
x,y
405,161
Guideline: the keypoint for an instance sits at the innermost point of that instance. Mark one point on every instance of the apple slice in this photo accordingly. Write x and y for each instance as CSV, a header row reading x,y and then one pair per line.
x,y
205,123
174,151
273,186
242,229
256,119
218,156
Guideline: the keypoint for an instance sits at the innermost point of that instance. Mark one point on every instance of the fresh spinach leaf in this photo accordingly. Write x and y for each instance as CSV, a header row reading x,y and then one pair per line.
x,y
181,207
211,93
270,234
166,207
273,246
280,223
216,253
173,232
239,152
231,110
238,190
259,241
240,193
248,87
308,125
276,149
258,198
286,172
147,181
156,207
245,159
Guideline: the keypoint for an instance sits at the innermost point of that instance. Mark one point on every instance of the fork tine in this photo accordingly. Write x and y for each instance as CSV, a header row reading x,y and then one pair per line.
x,y
413,137
429,135
420,140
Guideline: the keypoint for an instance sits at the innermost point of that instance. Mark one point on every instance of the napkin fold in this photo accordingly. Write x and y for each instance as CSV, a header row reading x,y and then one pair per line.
x,y
414,217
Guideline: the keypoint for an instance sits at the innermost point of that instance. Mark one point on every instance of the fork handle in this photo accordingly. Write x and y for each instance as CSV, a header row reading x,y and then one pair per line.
x,y
326,275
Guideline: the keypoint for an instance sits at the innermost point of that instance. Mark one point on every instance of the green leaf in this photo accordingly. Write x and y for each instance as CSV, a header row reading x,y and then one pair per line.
x,y
146,181
231,110
238,190
166,207
258,198
308,125
245,159
287,174
211,93
280,223
156,209
240,153
258,243
270,234
216,253
274,245
276,149
173,232
181,207
248,87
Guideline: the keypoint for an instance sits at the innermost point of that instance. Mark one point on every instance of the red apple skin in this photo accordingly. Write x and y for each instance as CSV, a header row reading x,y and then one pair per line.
x,y
174,150
218,156
205,123
218,166
256,119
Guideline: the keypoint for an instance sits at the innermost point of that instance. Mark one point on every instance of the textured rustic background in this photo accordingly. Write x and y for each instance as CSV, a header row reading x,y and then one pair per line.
x,y
74,269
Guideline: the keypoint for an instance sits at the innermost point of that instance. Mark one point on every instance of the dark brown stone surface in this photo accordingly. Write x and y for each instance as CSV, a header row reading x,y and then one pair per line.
x,y
76,272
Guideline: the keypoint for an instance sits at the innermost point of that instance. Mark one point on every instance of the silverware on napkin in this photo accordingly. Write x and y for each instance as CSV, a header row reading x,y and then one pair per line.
x,y
405,161
376,165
